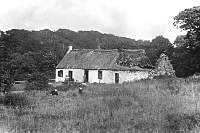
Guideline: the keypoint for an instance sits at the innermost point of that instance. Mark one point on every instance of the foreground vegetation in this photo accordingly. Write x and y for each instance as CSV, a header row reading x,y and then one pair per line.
x,y
148,106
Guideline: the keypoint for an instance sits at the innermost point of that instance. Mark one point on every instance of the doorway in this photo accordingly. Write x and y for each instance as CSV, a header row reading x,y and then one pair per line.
x,y
116,77
86,75
70,73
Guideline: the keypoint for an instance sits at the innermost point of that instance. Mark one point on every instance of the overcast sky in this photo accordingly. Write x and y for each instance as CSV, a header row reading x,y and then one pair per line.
x,y
138,19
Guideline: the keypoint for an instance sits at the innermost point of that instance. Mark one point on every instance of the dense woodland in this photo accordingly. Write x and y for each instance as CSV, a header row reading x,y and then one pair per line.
x,y
33,55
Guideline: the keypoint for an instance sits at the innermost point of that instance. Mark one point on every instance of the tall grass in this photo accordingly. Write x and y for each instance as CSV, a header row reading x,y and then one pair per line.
x,y
147,106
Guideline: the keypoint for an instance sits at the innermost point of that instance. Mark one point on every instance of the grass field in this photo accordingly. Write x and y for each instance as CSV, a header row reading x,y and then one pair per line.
x,y
147,106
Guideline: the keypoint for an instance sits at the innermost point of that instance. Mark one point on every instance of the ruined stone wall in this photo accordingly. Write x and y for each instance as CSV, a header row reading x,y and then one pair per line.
x,y
163,67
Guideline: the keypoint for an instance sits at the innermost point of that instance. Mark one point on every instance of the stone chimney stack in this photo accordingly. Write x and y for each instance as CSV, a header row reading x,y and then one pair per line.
x,y
69,49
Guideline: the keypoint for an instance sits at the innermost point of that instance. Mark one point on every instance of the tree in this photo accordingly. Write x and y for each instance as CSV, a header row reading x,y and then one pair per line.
x,y
6,78
157,46
189,20
180,57
180,41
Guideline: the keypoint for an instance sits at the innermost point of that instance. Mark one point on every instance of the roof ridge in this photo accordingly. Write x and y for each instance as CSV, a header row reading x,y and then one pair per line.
x,y
105,50
96,50
81,49
134,50
110,50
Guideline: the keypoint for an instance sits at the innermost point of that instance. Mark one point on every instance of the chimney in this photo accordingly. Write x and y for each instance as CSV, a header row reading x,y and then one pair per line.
x,y
69,48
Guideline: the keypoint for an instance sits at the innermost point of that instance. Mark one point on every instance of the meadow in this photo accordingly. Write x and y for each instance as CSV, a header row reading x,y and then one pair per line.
x,y
146,106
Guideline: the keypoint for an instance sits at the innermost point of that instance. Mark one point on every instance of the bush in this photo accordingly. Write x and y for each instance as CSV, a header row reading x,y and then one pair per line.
x,y
16,100
71,85
182,122
36,86
37,81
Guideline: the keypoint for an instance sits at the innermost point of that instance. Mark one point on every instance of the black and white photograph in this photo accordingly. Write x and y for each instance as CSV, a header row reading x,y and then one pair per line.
x,y
99,66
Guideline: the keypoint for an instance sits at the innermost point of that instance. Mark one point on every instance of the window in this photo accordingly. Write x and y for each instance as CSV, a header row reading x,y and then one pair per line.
x,y
116,77
60,73
99,74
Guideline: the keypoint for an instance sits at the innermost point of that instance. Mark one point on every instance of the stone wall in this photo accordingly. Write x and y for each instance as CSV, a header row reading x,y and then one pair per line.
x,y
163,67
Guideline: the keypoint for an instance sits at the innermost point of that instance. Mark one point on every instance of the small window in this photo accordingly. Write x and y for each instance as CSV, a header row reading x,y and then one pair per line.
x,y
116,77
70,74
60,73
99,74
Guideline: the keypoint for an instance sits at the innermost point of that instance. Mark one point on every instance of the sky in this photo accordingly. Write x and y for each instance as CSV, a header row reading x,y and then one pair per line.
x,y
137,19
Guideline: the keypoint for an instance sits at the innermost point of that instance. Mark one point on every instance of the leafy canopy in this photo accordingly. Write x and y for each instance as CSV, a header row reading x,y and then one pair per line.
x,y
189,21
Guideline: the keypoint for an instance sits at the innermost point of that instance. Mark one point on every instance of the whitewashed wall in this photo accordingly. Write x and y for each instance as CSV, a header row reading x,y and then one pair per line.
x,y
108,76
58,79
141,75
78,75
93,76
125,76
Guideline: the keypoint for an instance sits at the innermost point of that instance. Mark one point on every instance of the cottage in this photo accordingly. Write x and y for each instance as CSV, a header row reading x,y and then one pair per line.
x,y
103,66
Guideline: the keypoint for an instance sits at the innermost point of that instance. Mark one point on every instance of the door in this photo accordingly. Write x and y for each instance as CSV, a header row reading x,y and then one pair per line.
x,y
70,75
86,75
116,77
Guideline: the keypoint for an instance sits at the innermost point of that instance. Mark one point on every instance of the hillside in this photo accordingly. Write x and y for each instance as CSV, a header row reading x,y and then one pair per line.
x,y
57,41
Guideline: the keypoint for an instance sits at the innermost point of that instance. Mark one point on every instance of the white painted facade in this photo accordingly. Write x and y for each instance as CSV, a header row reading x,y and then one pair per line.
x,y
125,76
78,75
108,76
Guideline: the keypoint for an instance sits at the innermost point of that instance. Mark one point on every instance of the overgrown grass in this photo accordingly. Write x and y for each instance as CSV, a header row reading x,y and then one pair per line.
x,y
147,106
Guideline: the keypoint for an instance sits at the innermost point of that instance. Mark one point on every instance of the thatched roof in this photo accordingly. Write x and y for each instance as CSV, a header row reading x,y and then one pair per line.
x,y
97,59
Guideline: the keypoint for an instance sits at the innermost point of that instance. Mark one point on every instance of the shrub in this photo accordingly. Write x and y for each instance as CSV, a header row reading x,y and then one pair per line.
x,y
71,85
37,81
182,122
16,100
